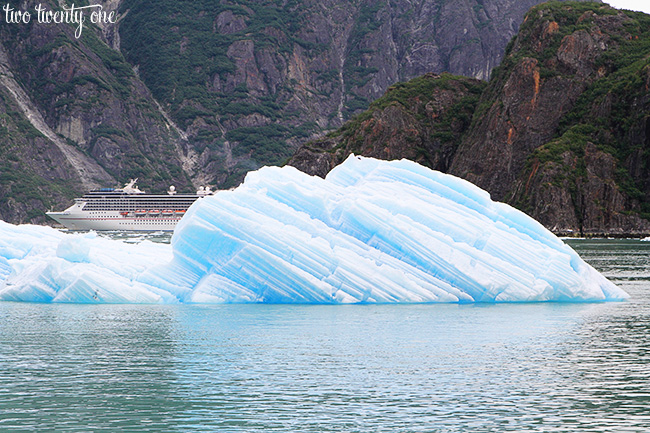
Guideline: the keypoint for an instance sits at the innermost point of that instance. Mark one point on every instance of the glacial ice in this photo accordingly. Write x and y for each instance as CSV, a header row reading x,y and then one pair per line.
x,y
371,232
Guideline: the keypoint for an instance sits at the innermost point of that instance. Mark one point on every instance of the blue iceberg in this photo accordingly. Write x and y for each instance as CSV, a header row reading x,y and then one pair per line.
x,y
371,232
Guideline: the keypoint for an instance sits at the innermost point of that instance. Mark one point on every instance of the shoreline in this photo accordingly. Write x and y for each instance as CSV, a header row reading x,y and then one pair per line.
x,y
559,233
601,235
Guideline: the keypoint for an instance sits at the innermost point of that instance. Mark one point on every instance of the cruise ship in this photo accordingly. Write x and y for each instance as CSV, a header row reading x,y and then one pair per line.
x,y
127,208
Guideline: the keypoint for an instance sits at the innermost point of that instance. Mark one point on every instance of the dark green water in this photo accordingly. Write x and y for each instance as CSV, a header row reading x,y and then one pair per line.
x,y
386,368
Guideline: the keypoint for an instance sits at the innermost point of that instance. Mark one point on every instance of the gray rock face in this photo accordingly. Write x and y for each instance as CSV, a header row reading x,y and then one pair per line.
x,y
536,151
562,130
77,117
203,91
305,66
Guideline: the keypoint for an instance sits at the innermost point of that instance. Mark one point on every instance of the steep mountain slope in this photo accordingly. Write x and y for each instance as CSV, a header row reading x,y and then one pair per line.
x,y
75,116
562,130
249,80
213,89
422,120
34,173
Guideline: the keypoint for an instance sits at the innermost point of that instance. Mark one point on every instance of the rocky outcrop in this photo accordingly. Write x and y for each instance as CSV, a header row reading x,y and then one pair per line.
x,y
589,204
84,168
212,90
422,120
35,173
529,106
562,130
81,105
562,147
302,68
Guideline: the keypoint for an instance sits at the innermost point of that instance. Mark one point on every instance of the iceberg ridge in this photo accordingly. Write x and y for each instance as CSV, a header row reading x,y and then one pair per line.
x,y
372,231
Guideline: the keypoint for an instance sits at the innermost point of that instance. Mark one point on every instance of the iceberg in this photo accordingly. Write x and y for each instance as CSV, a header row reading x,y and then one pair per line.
x,y
370,232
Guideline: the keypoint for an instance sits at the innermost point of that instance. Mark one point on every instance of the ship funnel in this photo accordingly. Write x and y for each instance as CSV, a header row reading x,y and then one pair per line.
x,y
203,191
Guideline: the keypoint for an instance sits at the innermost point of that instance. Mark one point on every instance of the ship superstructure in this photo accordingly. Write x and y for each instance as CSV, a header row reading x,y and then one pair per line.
x,y
127,208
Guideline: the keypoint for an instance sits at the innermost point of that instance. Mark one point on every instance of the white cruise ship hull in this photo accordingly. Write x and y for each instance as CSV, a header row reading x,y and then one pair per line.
x,y
113,221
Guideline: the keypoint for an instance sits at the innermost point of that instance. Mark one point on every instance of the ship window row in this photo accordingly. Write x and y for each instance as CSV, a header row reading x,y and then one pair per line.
x,y
138,204
118,200
134,206
128,208
131,197
139,201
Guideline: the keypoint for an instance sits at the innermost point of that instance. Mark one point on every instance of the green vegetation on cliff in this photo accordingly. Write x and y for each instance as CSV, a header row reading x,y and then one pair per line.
x,y
613,110
86,93
568,109
213,66
422,119
28,184
415,97
282,71
562,130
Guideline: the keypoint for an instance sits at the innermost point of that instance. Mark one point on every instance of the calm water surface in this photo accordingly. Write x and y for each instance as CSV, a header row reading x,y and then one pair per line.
x,y
388,368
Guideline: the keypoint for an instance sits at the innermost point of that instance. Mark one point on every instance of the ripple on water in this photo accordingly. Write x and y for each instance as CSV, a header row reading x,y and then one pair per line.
x,y
382,368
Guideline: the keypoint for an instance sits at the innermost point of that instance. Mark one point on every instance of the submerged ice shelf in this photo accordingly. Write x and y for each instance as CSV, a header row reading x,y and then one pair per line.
x,y
372,231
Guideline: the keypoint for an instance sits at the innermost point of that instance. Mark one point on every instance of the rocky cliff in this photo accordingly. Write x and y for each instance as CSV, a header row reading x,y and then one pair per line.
x,y
248,81
562,130
75,116
422,120
200,92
